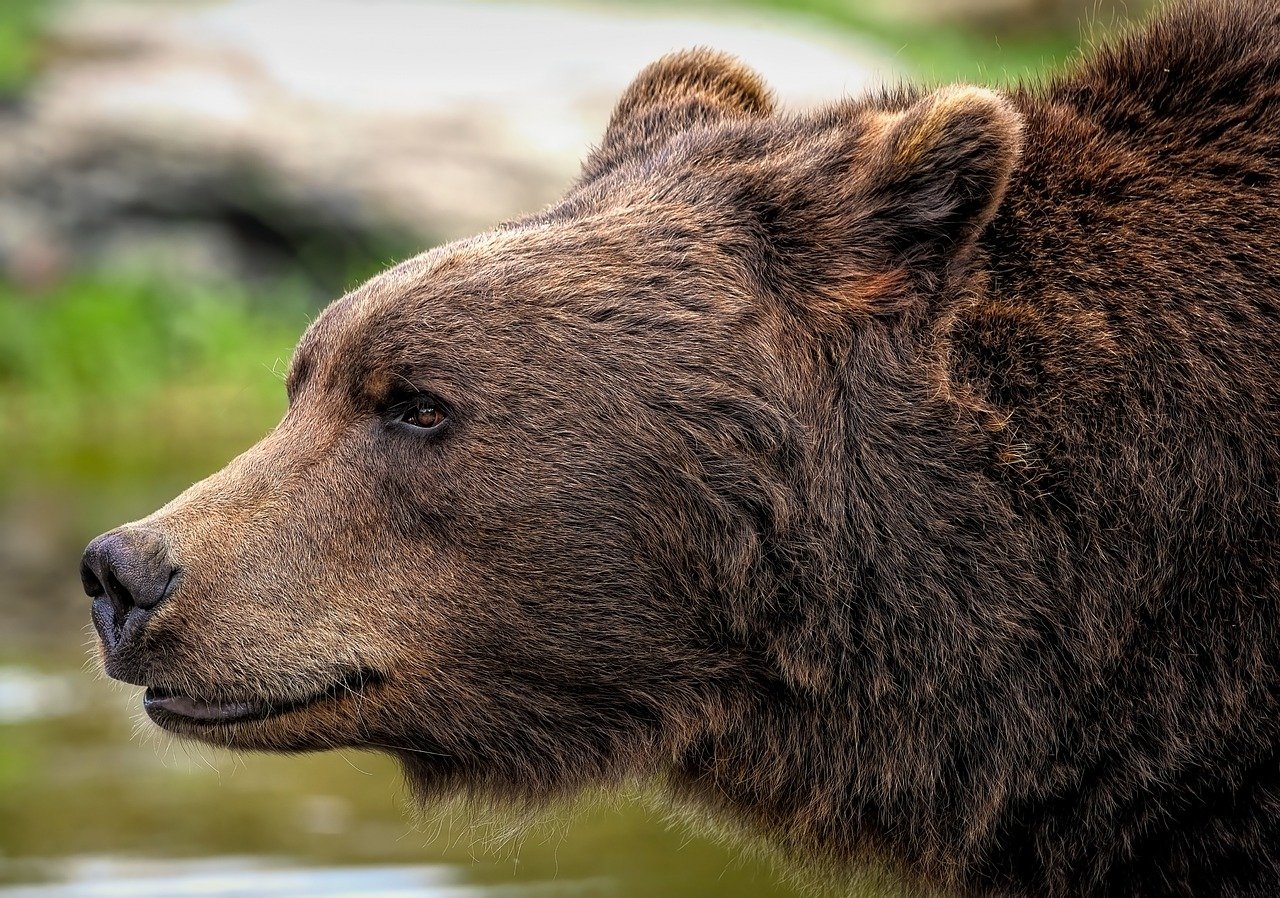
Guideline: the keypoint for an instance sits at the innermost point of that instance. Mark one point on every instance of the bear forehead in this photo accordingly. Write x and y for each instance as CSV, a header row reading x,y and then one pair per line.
x,y
579,274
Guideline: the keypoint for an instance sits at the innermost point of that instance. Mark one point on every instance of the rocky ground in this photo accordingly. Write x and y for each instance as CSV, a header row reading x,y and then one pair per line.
x,y
243,138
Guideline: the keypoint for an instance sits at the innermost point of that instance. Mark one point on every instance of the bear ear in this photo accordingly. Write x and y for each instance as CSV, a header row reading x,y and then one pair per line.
x,y
680,91
936,175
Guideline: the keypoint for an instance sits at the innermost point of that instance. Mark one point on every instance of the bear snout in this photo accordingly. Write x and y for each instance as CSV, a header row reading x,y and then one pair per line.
x,y
127,573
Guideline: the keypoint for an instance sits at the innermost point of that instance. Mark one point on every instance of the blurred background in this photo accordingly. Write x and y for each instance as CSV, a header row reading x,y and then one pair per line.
x,y
182,187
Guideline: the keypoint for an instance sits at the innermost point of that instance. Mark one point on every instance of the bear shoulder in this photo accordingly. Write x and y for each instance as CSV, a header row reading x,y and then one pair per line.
x,y
1205,71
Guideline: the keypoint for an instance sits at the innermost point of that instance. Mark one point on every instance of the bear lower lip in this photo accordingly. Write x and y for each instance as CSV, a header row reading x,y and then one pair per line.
x,y
194,709
162,705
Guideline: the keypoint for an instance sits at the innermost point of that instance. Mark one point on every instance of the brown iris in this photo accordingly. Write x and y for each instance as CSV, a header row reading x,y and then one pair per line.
x,y
424,413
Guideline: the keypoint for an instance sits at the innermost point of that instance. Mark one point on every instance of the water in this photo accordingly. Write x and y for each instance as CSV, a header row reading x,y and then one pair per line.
x,y
94,801
248,876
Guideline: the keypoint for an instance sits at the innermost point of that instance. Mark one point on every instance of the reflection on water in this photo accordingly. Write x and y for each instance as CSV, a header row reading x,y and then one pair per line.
x,y
94,801
240,877
251,877
27,694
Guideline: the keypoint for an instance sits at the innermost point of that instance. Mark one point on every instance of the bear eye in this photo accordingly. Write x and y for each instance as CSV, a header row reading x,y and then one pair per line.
x,y
423,413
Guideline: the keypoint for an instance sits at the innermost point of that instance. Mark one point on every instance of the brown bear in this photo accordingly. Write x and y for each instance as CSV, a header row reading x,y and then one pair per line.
x,y
900,480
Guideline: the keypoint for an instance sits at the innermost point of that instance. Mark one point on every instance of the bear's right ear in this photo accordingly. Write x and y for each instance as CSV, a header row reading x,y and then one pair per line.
x,y
679,91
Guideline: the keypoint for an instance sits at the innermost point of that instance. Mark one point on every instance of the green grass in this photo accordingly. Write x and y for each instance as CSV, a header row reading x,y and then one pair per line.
x,y
102,377
946,52
20,25
935,52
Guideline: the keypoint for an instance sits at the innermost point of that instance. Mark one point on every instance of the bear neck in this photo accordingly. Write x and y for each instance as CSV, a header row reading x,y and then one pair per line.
x,y
886,621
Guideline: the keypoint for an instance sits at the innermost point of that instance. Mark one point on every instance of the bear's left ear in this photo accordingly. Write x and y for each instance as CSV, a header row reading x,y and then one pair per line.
x,y
680,91
935,175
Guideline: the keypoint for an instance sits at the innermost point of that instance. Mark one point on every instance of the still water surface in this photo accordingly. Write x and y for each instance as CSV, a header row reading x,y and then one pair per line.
x,y
95,802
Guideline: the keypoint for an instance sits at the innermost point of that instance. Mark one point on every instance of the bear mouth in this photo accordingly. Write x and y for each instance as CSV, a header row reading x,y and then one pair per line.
x,y
170,707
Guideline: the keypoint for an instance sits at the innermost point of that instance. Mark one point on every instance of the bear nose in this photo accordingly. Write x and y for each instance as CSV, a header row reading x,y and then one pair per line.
x,y
127,573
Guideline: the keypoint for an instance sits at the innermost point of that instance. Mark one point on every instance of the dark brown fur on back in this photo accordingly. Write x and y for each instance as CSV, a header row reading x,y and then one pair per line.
x,y
902,480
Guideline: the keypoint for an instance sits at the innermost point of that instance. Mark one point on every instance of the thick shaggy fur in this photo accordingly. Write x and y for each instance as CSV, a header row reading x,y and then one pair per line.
x,y
901,480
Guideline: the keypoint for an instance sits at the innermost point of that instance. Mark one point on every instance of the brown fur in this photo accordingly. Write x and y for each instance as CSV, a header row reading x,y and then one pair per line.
x,y
899,479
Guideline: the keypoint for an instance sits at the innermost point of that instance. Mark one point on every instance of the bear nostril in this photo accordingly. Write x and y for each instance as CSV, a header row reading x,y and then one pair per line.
x,y
125,572
92,585
120,597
